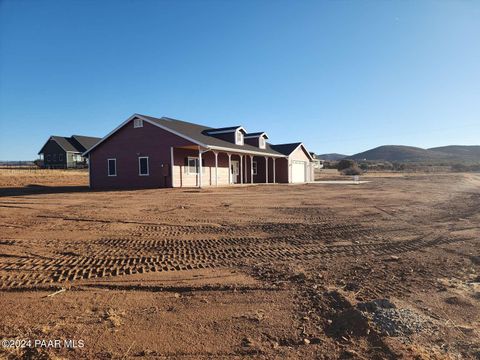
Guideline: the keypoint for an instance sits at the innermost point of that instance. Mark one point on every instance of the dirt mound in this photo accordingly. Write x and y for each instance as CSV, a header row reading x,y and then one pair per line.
x,y
351,322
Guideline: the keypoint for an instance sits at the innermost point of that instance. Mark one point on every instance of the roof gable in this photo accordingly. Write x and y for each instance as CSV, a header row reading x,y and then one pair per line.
x,y
62,141
287,149
75,143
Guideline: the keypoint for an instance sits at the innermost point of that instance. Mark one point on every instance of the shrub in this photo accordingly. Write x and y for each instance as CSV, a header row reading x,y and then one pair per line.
x,y
364,166
354,170
459,168
345,164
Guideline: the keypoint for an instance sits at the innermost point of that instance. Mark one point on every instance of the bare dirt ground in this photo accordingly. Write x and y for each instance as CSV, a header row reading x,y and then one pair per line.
x,y
383,270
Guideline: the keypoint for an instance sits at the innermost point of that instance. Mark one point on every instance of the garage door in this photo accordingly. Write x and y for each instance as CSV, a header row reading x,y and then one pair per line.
x,y
298,171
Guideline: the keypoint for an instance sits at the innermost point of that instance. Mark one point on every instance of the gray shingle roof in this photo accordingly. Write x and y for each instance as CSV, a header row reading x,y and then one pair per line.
x,y
64,143
286,149
86,141
229,128
257,134
75,143
199,134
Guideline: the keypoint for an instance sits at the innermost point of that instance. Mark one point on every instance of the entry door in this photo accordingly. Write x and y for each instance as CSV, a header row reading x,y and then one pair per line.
x,y
299,171
234,171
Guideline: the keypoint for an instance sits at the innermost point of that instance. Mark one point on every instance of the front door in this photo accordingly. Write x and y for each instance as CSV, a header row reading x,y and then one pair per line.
x,y
234,171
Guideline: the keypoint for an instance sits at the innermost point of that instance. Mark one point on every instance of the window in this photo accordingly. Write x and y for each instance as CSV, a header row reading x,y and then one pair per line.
x,y
112,167
137,123
261,142
254,166
239,138
192,165
49,157
60,157
143,169
55,157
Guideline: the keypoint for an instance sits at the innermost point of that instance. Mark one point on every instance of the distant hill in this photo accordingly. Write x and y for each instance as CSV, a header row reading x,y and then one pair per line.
x,y
465,152
401,153
332,156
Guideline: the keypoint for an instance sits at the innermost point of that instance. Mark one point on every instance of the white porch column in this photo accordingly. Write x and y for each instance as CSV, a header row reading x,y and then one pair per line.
x,y
171,167
199,168
229,168
216,168
246,172
241,169
251,169
274,170
266,170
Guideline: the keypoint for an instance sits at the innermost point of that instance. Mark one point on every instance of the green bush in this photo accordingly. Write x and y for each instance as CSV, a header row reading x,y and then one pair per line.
x,y
364,166
354,170
345,164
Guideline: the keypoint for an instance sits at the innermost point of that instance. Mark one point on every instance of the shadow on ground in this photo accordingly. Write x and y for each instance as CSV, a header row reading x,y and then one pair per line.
x,y
40,190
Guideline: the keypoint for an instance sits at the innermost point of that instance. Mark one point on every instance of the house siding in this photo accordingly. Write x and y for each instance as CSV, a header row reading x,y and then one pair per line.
x,y
230,136
252,141
126,145
281,170
183,179
51,155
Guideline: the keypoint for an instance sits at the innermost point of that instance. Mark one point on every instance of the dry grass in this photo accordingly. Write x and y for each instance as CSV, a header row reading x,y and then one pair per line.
x,y
18,177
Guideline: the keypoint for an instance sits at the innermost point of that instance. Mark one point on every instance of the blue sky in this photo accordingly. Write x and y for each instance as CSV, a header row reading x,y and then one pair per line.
x,y
341,76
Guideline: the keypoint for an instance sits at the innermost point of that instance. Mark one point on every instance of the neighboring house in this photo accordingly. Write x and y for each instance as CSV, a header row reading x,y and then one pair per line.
x,y
61,152
317,162
148,152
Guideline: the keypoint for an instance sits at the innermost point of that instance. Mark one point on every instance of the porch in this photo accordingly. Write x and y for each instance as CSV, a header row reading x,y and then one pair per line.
x,y
193,166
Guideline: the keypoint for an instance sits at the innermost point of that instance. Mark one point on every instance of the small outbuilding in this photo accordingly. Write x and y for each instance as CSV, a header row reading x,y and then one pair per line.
x,y
149,152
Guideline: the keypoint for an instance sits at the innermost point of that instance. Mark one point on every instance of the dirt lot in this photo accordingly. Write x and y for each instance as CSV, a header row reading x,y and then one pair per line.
x,y
387,269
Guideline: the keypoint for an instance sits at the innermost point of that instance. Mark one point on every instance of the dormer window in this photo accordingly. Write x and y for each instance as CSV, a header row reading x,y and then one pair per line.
x,y
137,123
261,142
239,137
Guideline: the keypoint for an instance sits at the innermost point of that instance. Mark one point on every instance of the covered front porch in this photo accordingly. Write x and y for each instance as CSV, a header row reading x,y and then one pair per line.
x,y
194,166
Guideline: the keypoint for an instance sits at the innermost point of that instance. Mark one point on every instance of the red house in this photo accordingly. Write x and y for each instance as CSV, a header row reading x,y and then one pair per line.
x,y
148,152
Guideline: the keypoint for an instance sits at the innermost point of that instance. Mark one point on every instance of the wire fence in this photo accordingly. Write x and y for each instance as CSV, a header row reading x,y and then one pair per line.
x,y
13,169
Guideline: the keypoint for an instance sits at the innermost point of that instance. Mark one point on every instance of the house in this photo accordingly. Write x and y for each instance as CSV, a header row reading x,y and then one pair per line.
x,y
149,152
317,162
61,152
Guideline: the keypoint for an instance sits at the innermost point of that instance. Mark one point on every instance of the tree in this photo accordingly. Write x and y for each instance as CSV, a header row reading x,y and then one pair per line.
x,y
345,164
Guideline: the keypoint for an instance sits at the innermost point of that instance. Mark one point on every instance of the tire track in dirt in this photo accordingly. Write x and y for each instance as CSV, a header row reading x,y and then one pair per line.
x,y
114,257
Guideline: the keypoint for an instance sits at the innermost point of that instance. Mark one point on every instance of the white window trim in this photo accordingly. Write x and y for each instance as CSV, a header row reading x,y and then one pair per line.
x,y
236,137
188,165
137,123
187,168
255,167
140,168
108,166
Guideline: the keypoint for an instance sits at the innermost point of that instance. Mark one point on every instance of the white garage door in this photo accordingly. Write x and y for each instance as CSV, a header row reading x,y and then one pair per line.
x,y
299,171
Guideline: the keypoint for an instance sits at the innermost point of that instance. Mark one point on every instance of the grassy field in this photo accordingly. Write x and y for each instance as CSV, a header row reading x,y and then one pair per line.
x,y
20,177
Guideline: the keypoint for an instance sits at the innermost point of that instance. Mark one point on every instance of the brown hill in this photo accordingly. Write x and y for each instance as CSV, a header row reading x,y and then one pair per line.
x,y
401,153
